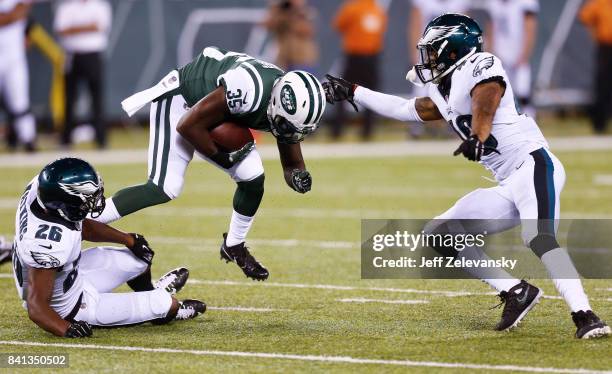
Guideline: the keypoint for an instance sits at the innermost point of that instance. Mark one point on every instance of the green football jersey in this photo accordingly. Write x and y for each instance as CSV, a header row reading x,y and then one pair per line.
x,y
248,83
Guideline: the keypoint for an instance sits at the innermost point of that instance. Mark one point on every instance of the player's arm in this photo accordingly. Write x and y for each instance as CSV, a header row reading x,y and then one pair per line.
x,y
40,291
195,126
531,30
485,101
418,109
98,232
19,12
294,169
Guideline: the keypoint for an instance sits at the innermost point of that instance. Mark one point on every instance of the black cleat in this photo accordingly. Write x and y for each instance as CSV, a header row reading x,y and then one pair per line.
x,y
189,309
6,250
241,256
589,326
173,281
517,301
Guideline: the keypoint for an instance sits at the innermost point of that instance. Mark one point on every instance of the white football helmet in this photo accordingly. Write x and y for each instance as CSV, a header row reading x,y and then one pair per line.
x,y
296,106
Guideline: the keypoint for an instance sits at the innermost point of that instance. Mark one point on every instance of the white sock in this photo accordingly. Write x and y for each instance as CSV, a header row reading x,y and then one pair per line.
x,y
109,214
566,278
239,228
497,278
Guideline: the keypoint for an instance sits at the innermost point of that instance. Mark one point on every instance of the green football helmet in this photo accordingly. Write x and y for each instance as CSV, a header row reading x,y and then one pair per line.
x,y
71,188
448,40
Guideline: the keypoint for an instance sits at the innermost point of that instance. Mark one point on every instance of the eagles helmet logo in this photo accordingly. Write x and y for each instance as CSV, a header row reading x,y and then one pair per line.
x,y
482,65
45,260
288,100
80,189
435,33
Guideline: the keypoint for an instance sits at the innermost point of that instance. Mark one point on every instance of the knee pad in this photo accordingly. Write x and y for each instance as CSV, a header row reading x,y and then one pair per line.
x,y
248,169
248,196
543,243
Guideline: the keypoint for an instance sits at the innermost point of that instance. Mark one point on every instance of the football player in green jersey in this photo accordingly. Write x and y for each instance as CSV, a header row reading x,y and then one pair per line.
x,y
222,86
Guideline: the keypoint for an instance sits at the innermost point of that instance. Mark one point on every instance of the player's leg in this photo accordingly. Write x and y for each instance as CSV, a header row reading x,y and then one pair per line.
x,y
169,156
484,210
17,101
249,177
536,189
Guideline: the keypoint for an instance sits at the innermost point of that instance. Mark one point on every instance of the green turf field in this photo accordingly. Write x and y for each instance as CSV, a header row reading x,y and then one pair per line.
x,y
310,245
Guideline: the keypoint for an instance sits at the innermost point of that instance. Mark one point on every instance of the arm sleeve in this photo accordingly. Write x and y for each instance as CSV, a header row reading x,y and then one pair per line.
x,y
388,105
530,6
106,17
485,68
60,22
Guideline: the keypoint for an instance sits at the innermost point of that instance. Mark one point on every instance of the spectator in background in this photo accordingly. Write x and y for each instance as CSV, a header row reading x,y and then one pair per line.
x,y
597,16
14,75
83,27
421,13
512,37
292,24
362,25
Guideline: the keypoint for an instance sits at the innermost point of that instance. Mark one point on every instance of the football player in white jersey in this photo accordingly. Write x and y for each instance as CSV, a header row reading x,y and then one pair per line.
x,y
470,90
66,291
14,85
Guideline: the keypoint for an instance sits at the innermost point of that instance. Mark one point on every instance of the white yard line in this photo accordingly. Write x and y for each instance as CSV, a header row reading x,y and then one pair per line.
x,y
310,150
245,309
382,301
309,358
207,242
603,179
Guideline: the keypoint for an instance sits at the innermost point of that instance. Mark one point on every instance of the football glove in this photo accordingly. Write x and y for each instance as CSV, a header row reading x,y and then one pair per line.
x,y
472,148
78,329
141,249
338,89
227,160
301,181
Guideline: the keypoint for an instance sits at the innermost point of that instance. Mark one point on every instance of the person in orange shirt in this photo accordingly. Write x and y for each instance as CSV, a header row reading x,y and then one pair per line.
x,y
362,25
597,16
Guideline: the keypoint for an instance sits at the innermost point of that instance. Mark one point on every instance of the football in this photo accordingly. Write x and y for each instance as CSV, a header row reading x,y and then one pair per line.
x,y
230,136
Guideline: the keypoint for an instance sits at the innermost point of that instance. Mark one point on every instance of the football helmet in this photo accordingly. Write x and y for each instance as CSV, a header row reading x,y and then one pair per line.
x,y
448,40
71,188
296,106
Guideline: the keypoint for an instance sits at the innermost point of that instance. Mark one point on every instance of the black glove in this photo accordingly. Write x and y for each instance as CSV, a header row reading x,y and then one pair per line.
x,y
227,160
141,249
78,329
301,181
472,148
338,89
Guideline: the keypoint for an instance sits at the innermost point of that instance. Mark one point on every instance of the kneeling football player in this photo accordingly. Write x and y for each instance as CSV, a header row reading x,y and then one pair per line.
x,y
66,291
218,87
470,89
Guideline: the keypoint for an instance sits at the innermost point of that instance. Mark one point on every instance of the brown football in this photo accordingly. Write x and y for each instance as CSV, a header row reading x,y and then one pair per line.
x,y
229,136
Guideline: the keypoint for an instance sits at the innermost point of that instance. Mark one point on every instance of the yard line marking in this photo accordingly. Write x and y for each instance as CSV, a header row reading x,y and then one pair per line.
x,y
603,179
324,244
311,358
335,287
383,301
246,309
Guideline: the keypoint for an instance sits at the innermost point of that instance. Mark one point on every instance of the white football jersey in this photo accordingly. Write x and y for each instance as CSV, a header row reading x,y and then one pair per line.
x,y
514,135
12,36
431,9
508,20
44,241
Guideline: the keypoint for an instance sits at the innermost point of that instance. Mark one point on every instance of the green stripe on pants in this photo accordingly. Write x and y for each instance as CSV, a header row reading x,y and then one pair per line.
x,y
156,139
167,138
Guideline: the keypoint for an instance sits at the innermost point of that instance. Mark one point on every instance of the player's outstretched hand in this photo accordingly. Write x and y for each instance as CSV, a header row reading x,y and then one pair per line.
x,y
141,249
472,148
338,89
227,160
301,180
78,329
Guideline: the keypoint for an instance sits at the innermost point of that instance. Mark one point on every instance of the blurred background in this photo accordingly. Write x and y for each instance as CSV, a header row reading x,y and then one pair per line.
x,y
65,66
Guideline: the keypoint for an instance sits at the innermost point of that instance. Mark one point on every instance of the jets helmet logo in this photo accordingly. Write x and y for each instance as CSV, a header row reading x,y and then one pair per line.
x,y
80,189
288,100
45,260
435,33
482,65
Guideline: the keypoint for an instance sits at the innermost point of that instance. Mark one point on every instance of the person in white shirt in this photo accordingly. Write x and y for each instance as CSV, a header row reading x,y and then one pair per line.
x,y
470,89
83,27
14,77
513,30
